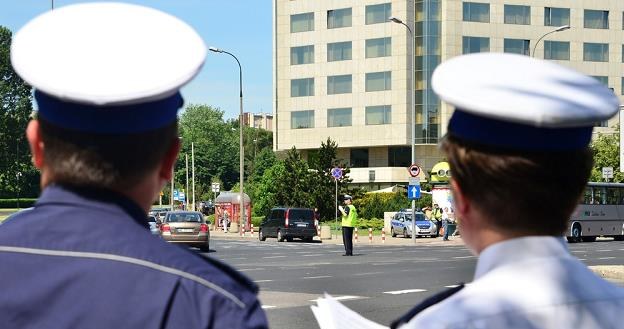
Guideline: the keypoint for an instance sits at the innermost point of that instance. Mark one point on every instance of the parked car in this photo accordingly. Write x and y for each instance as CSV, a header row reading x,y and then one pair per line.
x,y
402,225
186,227
153,225
288,223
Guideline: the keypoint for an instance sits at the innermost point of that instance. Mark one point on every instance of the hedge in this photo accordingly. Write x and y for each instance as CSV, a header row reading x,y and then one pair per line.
x,y
13,203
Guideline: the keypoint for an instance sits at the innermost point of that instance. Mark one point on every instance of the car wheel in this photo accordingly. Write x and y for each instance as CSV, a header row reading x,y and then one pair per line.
x,y
392,232
308,239
205,248
405,233
576,232
618,238
280,238
261,236
289,239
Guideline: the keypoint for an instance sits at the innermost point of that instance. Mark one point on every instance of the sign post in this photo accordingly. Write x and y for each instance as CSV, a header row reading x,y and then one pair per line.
x,y
215,189
336,172
607,172
413,193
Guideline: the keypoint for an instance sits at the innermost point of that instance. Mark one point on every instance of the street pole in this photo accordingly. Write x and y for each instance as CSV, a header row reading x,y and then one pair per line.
x,y
172,185
186,198
193,166
336,180
559,29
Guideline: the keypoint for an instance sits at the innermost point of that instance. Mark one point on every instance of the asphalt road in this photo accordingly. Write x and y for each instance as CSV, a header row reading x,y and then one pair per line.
x,y
379,282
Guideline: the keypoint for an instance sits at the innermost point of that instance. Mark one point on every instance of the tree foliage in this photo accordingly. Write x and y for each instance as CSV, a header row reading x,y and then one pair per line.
x,y
606,150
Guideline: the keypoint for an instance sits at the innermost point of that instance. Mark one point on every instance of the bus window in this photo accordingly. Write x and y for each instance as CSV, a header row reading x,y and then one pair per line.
x,y
587,196
599,195
613,195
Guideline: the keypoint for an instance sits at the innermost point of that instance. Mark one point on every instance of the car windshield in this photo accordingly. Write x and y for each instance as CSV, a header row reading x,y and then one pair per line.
x,y
184,217
419,217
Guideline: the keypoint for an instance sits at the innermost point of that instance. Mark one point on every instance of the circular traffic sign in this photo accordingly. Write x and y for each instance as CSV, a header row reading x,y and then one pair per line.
x,y
414,170
336,172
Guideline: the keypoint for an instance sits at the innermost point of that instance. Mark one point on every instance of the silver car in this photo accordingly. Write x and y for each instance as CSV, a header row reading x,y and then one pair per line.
x,y
402,225
186,227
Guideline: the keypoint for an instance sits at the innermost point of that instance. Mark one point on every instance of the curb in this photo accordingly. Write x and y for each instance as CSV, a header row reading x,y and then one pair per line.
x,y
613,272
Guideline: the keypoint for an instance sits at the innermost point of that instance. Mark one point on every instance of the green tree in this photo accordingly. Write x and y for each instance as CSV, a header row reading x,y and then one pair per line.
x,y
606,150
296,180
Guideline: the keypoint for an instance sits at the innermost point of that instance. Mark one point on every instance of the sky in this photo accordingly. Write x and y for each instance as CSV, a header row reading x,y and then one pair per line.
x,y
242,27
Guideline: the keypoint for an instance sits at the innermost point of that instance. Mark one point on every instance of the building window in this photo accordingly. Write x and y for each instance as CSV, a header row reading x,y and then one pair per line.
x,y
475,45
516,46
556,16
338,18
378,47
595,52
378,115
378,13
339,117
339,84
302,22
399,156
302,87
339,51
378,81
476,12
558,50
359,158
596,19
517,15
301,55
622,87
301,119
602,78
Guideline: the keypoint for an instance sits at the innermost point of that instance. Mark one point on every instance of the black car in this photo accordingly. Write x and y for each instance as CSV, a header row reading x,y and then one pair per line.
x,y
288,223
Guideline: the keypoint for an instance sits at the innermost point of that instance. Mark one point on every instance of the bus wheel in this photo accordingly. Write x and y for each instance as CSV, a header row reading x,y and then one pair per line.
x,y
576,232
588,238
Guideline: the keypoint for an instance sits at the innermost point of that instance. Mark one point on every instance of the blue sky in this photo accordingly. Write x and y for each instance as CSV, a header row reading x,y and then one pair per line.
x,y
242,27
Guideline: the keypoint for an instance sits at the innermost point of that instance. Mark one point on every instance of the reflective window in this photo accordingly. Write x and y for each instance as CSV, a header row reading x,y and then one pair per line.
x,y
613,195
338,18
556,16
622,87
378,81
378,13
378,47
476,12
359,158
596,19
558,50
516,46
596,52
339,51
302,87
302,22
301,55
475,45
602,78
515,14
378,115
302,119
339,84
339,117
399,156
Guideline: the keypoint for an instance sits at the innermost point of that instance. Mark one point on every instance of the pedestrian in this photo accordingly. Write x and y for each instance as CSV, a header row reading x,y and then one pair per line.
x,y
437,216
225,221
349,221
317,217
445,223
107,79
518,126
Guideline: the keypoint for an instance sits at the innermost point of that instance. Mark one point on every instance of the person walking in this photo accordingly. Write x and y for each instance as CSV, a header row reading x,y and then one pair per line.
x,y
105,138
349,221
225,221
518,125
445,223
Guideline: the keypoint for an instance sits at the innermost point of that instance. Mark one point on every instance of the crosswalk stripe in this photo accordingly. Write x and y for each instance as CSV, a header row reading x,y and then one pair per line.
x,y
407,291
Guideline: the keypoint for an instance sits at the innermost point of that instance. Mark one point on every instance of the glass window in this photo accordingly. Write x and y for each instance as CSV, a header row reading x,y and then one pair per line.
x,y
613,195
399,156
378,81
595,52
302,22
339,117
338,18
359,158
559,50
339,51
339,84
301,55
301,119
302,87
596,19
378,13
476,12
378,115
603,79
517,15
516,46
556,16
475,45
622,86
378,47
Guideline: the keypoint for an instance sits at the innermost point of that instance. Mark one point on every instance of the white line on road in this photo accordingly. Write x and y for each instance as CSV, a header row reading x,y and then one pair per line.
x,y
581,259
400,292
274,257
604,250
312,255
471,256
251,269
260,281
339,298
266,307
383,252
317,277
606,258
577,251
367,273
382,264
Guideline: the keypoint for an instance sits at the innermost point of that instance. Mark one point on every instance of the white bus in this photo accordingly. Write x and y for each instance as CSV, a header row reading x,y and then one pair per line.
x,y
600,214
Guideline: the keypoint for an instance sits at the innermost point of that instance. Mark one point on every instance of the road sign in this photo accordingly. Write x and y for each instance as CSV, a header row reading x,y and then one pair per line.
x,y
413,192
182,197
176,197
414,170
216,187
414,181
336,173
607,172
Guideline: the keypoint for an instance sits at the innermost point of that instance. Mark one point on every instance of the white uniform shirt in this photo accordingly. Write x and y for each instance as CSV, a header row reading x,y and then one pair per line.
x,y
527,283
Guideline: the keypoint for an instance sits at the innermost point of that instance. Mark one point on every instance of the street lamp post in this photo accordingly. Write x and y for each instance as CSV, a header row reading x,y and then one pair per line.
x,y
413,112
243,218
559,29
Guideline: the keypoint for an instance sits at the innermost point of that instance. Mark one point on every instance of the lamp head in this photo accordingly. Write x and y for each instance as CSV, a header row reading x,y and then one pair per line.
x,y
215,49
394,19
562,28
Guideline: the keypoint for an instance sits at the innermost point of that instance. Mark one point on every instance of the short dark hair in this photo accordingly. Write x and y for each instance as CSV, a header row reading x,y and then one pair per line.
x,y
113,161
521,192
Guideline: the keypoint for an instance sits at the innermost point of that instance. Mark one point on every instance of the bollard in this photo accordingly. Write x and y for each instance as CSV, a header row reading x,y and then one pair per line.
x,y
356,238
370,235
318,230
252,230
383,235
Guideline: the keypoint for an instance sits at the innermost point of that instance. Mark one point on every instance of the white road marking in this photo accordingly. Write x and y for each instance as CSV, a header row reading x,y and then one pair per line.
x,y
604,250
260,281
274,257
367,273
606,258
382,264
312,255
400,292
340,298
382,252
582,259
317,277
577,251
266,307
471,256
251,269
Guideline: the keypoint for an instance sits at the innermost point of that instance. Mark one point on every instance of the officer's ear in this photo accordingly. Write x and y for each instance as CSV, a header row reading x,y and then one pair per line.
x,y
462,204
33,135
166,165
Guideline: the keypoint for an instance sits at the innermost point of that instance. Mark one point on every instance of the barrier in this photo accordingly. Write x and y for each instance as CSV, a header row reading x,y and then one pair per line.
x,y
252,230
356,236
370,235
383,235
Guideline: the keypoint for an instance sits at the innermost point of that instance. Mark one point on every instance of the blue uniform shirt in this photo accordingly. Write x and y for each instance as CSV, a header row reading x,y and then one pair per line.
x,y
86,259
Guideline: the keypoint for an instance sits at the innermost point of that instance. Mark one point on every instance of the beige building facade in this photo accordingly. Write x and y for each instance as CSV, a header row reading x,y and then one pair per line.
x,y
343,70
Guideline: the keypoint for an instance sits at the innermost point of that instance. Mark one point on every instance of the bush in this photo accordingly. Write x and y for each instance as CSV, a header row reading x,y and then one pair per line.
x,y
257,220
374,223
13,203
373,205
210,219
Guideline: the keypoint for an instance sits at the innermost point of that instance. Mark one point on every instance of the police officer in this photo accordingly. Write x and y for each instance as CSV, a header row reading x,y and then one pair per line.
x,y
437,215
349,220
519,135
106,78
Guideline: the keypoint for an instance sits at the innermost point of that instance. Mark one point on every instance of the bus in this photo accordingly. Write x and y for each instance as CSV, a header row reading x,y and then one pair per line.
x,y
600,214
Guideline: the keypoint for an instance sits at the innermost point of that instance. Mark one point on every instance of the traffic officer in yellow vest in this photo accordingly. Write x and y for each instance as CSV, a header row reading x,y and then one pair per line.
x,y
437,216
349,220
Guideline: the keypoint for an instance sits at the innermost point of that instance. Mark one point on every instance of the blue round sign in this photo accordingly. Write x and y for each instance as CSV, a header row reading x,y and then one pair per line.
x,y
336,173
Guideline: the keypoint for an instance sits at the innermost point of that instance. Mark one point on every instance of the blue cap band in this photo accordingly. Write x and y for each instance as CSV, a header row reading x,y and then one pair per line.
x,y
111,119
516,136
